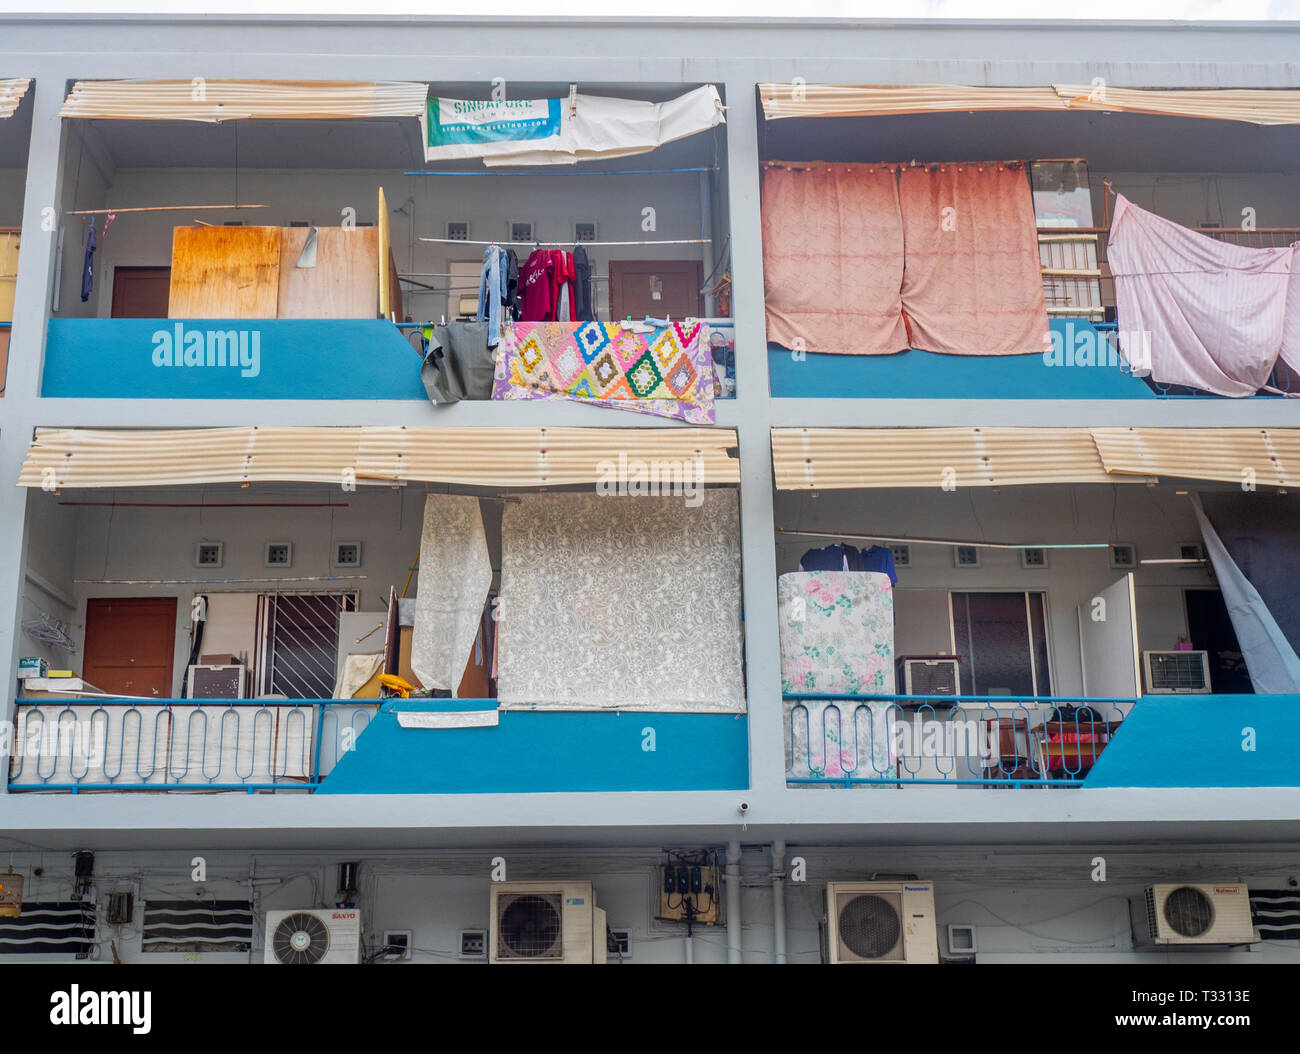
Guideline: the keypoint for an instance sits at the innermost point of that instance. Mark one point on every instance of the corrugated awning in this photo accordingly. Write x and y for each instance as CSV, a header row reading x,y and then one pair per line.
x,y
1255,106
11,94
231,100
1261,456
838,458
504,457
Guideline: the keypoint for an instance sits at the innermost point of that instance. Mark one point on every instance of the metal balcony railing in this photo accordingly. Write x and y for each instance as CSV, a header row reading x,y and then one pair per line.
x,y
81,744
969,741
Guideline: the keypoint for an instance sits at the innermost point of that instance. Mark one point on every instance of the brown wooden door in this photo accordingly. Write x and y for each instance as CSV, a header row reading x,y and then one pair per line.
x,y
141,292
658,288
130,645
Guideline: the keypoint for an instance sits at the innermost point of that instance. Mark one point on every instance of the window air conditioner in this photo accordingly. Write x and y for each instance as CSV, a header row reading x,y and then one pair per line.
x,y
313,937
881,922
1192,913
1177,672
546,922
929,676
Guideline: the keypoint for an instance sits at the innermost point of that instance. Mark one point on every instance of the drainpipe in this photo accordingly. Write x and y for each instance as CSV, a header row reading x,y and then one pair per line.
x,y
733,903
778,901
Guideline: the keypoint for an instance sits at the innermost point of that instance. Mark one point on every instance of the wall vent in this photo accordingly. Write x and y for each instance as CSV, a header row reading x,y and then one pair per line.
x,y
458,230
521,231
902,555
210,554
278,554
1033,559
584,231
965,556
347,554
1123,556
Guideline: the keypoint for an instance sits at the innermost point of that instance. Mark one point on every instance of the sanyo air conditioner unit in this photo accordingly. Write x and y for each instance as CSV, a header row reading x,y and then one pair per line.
x,y
1177,913
313,937
881,922
546,922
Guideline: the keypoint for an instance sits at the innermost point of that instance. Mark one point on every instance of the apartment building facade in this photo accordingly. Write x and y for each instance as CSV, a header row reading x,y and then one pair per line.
x,y
1052,680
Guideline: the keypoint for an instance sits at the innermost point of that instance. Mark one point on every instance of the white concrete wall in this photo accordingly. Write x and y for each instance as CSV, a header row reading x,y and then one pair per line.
x,y
1155,520
1037,905
1202,199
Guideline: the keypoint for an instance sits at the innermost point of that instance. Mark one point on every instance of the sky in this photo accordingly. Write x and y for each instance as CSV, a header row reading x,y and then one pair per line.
x,y
1094,10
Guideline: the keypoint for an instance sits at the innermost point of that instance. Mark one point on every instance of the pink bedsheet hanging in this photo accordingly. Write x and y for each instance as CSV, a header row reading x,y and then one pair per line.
x,y
833,259
972,281
1200,312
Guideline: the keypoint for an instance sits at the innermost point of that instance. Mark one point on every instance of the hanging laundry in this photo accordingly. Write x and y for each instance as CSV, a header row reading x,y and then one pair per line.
x,y
510,288
562,286
88,270
666,372
459,364
536,304
490,290
1200,312
582,302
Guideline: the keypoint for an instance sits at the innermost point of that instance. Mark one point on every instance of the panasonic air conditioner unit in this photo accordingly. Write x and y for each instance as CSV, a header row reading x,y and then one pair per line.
x,y
1177,672
881,922
313,936
935,676
546,922
1192,913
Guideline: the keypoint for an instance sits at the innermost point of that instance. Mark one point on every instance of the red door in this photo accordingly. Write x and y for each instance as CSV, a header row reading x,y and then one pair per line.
x,y
130,645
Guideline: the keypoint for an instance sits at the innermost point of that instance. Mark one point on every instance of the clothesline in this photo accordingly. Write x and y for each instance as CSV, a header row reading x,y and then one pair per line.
x,y
940,541
557,245
616,172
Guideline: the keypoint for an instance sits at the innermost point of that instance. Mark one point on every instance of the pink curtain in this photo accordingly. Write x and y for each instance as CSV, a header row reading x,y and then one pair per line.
x,y
972,283
1201,312
833,259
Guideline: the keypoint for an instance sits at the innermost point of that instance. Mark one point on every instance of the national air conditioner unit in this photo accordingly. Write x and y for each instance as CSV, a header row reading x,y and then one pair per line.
x,y
881,922
930,676
313,937
545,922
1189,913
1177,672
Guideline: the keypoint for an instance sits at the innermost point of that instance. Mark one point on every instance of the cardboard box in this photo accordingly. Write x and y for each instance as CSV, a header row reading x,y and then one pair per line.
x,y
32,666
221,659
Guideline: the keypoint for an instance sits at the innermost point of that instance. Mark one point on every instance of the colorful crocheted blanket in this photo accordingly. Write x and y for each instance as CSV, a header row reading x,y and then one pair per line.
x,y
667,372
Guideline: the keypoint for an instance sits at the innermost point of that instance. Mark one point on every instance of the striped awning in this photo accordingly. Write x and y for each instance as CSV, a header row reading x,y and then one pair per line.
x,y
1256,456
840,458
1255,106
231,100
12,91
506,457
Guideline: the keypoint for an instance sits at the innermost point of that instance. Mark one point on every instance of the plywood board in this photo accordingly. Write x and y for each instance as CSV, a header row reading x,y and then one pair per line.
x,y
9,239
385,247
344,283
225,272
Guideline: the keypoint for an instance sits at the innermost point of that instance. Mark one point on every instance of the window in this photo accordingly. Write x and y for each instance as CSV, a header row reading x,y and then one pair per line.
x,y
300,640
1002,641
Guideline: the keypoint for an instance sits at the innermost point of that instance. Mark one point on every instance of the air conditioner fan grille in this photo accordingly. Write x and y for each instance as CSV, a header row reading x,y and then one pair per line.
x,y
531,927
301,939
869,926
1188,911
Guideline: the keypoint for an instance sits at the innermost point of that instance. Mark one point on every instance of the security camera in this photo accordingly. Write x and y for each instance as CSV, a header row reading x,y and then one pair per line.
x,y
744,807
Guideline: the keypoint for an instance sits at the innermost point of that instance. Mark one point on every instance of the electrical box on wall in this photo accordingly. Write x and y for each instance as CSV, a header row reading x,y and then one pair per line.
x,y
690,889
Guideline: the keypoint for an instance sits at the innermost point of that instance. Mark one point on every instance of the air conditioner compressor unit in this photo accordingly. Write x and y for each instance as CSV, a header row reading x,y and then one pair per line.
x,y
881,922
546,922
313,937
1187,913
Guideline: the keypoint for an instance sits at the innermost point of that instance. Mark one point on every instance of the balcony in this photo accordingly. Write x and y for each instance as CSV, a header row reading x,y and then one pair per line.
x,y
331,746
900,199
262,259
1076,743
305,632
